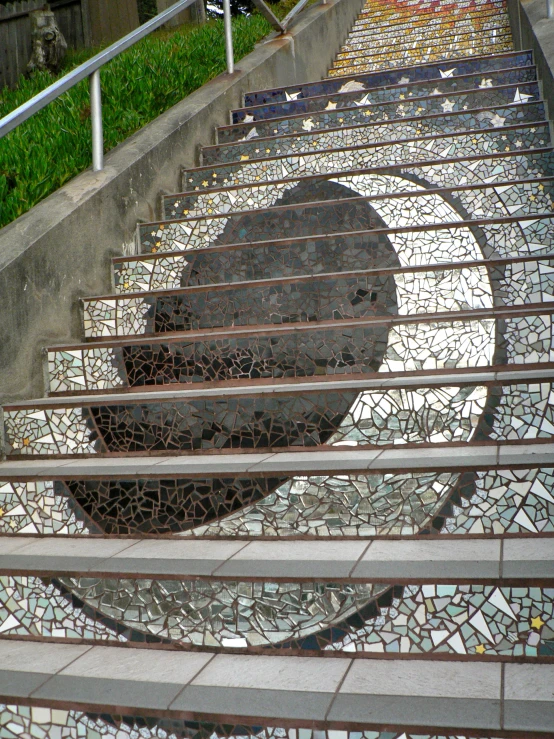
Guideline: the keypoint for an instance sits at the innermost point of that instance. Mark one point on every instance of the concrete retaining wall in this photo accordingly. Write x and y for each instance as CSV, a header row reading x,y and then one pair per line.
x,y
532,30
59,251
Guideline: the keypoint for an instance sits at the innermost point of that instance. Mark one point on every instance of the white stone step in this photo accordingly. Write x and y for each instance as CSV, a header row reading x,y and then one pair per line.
x,y
481,697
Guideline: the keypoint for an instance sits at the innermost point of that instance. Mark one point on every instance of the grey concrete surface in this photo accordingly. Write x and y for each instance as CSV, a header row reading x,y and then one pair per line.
x,y
457,559
377,692
59,251
344,459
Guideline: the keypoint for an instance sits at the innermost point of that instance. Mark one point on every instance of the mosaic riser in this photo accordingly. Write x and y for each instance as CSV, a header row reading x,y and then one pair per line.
x,y
377,505
437,174
458,146
324,299
349,215
410,347
381,10
319,298
322,255
347,505
47,723
393,416
357,52
393,77
364,30
347,99
474,47
375,133
362,113
459,619
313,299
455,619
224,614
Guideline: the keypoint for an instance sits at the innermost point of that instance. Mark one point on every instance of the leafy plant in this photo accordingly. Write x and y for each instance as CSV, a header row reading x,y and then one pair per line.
x,y
54,145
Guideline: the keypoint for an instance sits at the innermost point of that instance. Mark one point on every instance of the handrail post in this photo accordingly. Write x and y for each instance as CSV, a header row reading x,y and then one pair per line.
x,y
96,119
228,36
550,8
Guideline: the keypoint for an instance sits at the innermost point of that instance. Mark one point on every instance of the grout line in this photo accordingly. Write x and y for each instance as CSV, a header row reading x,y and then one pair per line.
x,y
214,572
502,690
196,674
501,561
362,555
338,689
57,672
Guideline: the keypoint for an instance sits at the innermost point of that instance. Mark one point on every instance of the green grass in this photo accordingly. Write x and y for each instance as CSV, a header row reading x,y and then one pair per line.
x,y
55,145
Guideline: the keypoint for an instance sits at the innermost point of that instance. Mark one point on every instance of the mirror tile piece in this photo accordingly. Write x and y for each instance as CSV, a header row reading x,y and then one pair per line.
x,y
54,723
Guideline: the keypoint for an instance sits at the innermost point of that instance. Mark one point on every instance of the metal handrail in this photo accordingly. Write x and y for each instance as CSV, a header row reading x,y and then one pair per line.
x,y
91,69
282,26
550,8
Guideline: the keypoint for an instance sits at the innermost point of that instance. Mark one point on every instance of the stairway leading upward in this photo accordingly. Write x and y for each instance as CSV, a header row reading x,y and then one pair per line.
x,y
298,478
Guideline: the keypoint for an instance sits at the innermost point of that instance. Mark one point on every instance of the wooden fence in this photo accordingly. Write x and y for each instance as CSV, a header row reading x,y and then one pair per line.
x,y
82,22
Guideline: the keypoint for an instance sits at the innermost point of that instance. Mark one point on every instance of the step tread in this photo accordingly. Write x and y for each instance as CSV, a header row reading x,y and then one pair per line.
x,y
524,54
261,690
464,456
460,559
382,381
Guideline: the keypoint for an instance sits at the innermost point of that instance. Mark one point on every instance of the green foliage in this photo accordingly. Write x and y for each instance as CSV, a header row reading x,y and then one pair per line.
x,y
54,145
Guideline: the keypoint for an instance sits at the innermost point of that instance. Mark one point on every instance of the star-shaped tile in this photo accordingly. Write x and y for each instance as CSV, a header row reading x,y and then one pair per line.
x,y
485,83
537,622
497,120
448,73
331,105
248,119
447,106
308,124
480,649
292,96
403,81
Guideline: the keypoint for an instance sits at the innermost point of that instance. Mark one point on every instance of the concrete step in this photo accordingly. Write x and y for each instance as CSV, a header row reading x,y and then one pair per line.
x,y
459,145
384,290
390,93
464,144
521,561
343,252
313,171
431,71
418,489
271,690
427,51
362,113
364,28
360,51
375,133
320,217
303,350
348,413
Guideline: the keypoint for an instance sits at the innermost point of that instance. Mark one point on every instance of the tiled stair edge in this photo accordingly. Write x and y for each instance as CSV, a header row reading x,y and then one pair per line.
x,y
65,229
347,694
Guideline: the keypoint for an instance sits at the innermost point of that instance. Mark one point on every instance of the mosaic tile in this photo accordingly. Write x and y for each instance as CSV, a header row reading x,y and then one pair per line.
x,y
457,146
54,723
340,209
373,133
397,93
398,178
392,77
362,113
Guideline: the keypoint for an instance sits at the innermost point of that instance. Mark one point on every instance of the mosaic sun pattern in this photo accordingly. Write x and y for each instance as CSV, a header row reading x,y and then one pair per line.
x,y
416,180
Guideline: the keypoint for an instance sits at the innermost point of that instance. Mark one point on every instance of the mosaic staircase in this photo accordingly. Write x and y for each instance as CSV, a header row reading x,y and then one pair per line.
x,y
314,421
